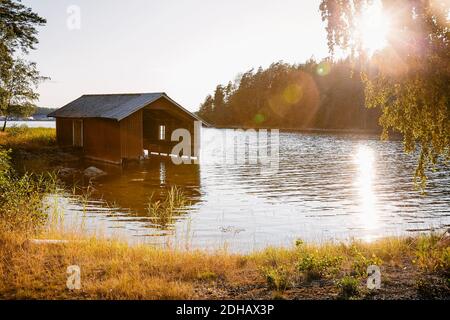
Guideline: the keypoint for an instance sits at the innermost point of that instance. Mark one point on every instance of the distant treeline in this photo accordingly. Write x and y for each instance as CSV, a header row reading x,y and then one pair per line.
x,y
320,95
39,113
43,111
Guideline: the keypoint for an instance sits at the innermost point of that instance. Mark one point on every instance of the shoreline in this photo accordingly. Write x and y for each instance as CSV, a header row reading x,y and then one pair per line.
x,y
393,136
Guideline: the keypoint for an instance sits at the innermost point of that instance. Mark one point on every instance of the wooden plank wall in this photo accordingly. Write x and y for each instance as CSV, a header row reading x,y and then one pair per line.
x,y
102,139
131,136
64,132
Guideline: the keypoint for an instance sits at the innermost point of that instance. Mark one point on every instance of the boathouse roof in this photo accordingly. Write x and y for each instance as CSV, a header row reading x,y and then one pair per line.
x,y
112,106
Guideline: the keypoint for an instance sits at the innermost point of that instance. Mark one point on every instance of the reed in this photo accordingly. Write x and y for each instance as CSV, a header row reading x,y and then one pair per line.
x,y
163,212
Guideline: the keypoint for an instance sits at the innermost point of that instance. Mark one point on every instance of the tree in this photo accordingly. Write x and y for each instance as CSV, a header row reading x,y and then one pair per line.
x,y
206,109
311,95
17,85
18,25
409,80
18,31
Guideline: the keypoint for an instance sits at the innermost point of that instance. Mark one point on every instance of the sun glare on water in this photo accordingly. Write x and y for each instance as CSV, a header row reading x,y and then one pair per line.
x,y
364,160
373,28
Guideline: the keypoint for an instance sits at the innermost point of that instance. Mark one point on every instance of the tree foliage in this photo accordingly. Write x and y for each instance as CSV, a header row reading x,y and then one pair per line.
x,y
409,80
18,78
322,94
18,27
19,84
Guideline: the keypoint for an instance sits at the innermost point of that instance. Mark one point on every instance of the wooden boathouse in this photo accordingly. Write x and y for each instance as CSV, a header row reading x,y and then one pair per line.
x,y
117,127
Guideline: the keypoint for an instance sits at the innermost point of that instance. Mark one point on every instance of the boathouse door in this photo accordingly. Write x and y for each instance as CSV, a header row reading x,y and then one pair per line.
x,y
77,133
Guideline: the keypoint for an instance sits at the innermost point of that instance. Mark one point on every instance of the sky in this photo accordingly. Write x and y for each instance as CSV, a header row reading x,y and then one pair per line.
x,y
184,48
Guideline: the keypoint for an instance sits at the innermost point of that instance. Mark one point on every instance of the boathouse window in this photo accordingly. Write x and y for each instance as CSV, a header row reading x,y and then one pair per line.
x,y
162,132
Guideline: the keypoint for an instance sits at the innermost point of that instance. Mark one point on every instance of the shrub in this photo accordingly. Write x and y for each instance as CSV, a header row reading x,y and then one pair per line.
x,y
361,262
277,278
16,130
21,205
348,287
317,266
5,165
431,256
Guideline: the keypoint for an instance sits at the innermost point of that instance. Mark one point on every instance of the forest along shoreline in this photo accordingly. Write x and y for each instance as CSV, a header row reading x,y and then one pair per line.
x,y
362,132
411,267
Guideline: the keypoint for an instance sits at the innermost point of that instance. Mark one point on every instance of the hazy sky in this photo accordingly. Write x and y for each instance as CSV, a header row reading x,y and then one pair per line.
x,y
184,48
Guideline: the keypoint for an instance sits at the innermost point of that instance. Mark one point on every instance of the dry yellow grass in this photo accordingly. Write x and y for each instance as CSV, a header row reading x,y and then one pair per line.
x,y
28,138
112,269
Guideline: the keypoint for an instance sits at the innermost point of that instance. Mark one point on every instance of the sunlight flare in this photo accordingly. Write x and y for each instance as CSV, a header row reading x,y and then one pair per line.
x,y
373,28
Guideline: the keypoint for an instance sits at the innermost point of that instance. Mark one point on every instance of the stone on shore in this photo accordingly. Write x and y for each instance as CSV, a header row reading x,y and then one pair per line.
x,y
93,172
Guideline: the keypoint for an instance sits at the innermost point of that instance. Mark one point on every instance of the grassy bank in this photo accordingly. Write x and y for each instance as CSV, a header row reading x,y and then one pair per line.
x,y
23,138
34,150
415,267
411,268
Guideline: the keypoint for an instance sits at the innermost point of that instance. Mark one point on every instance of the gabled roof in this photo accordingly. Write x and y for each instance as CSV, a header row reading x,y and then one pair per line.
x,y
111,106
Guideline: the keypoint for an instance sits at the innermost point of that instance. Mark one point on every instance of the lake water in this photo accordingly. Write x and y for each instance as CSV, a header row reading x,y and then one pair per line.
x,y
326,187
32,124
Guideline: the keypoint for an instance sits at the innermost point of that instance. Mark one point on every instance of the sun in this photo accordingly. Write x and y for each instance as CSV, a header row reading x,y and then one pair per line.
x,y
373,27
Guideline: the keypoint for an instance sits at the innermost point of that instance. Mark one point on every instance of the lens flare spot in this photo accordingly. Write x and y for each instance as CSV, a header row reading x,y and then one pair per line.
x,y
323,68
259,118
293,93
